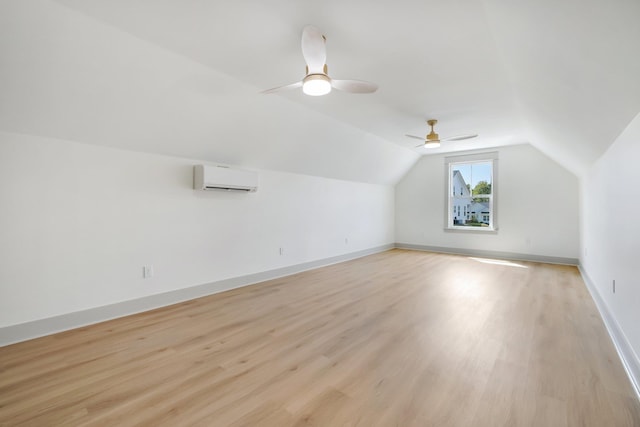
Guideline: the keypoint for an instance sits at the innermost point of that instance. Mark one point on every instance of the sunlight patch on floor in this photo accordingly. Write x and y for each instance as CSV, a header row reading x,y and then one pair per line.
x,y
498,262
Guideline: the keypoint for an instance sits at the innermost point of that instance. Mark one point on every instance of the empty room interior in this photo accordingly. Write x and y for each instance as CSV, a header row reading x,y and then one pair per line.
x,y
326,213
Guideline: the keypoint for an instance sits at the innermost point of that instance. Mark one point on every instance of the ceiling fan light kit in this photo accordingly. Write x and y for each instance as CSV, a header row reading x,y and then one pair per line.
x,y
316,85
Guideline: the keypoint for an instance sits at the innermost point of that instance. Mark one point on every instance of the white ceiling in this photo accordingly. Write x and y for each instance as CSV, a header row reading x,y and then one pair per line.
x,y
183,78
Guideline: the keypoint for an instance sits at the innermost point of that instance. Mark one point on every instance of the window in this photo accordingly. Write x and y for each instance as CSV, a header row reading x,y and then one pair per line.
x,y
471,190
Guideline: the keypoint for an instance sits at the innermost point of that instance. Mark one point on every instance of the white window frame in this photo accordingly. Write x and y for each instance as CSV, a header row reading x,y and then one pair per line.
x,y
450,161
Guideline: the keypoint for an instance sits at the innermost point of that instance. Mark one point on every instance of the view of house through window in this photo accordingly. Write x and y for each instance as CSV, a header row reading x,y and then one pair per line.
x,y
470,194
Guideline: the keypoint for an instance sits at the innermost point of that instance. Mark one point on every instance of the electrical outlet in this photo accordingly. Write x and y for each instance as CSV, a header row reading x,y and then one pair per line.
x,y
281,251
614,286
346,240
147,271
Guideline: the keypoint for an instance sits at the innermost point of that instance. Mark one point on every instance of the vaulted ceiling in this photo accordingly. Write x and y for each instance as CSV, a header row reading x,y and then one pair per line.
x,y
183,78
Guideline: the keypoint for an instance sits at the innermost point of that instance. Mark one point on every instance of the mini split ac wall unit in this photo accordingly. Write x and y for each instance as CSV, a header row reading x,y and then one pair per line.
x,y
224,178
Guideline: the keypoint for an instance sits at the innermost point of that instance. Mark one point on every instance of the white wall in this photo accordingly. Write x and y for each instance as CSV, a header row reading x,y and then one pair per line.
x,y
537,207
78,222
610,234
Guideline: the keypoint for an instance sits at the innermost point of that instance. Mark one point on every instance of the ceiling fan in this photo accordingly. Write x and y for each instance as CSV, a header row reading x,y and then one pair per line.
x,y
432,140
317,82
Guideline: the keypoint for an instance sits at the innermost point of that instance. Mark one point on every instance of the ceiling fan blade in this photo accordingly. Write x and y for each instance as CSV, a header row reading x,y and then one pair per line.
x,y
354,86
282,88
460,137
314,49
421,138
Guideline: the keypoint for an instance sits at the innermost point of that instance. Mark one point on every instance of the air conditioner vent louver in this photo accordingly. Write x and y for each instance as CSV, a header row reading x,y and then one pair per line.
x,y
228,189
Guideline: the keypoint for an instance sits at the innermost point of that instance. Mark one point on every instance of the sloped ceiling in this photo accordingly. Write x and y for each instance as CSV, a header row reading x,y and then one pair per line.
x,y
183,78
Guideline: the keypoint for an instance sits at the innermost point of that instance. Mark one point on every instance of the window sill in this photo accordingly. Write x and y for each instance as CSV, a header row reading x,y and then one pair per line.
x,y
474,230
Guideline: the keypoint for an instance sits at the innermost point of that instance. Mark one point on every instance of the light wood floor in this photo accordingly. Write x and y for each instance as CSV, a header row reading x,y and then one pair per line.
x,y
399,338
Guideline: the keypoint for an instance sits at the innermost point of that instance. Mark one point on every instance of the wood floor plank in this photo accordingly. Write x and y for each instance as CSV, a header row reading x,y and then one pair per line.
x,y
400,338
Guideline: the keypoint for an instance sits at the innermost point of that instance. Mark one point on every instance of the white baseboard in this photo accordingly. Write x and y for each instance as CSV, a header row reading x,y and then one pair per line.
x,y
38,328
629,358
490,254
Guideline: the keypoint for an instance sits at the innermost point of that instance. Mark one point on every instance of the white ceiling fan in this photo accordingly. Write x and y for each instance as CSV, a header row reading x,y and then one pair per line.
x,y
432,140
317,82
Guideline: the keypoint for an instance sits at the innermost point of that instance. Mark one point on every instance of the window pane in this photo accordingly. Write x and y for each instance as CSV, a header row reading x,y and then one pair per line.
x,y
480,178
480,213
461,177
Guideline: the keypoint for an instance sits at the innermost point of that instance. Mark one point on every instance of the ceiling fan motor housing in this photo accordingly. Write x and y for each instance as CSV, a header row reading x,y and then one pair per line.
x,y
432,136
